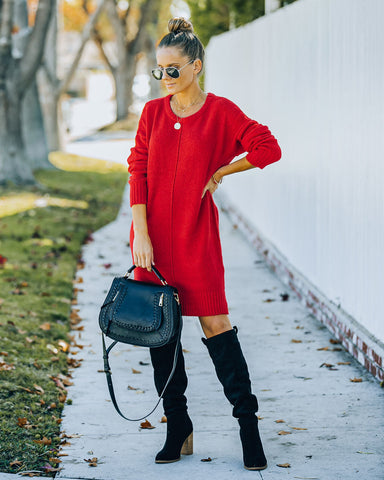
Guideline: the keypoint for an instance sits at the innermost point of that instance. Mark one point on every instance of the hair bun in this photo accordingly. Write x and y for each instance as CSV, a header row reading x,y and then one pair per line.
x,y
179,24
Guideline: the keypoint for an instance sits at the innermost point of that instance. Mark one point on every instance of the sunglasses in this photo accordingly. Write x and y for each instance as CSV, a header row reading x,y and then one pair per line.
x,y
172,72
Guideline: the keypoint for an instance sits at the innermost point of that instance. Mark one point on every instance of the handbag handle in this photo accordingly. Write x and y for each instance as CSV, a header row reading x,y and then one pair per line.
x,y
108,373
154,269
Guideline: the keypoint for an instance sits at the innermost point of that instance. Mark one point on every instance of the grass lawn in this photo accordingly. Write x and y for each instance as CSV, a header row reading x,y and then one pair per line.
x,y
40,251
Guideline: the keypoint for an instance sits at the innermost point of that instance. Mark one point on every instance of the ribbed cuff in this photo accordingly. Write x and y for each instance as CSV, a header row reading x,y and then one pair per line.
x,y
138,192
261,158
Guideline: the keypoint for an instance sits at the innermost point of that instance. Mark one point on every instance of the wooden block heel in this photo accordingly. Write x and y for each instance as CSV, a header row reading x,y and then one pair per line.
x,y
187,448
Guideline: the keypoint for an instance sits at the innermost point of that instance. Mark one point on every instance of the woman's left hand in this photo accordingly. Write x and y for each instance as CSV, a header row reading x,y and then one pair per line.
x,y
212,185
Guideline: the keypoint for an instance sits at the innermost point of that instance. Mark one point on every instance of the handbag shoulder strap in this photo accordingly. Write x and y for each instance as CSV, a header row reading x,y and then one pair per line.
x,y
108,373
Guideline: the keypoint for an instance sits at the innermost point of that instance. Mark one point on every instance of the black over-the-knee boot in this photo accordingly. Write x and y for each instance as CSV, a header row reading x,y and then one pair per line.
x,y
179,426
232,371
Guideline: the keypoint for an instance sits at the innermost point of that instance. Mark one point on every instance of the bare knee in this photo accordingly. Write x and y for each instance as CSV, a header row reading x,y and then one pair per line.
x,y
214,325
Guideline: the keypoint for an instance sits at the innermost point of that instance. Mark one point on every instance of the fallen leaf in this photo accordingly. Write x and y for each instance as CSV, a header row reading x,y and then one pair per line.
x,y
63,345
38,389
283,432
209,459
280,421
343,363
92,462
107,265
135,371
283,465
52,348
44,441
356,380
16,463
328,365
297,428
296,341
366,453
163,419
269,300
146,425
129,386
334,342
4,366
22,422
55,460
324,349
185,350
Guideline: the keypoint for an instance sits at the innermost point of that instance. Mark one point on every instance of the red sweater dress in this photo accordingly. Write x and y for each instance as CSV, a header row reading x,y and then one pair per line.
x,y
169,169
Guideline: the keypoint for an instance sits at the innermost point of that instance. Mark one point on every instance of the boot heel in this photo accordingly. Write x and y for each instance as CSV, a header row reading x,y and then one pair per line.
x,y
187,448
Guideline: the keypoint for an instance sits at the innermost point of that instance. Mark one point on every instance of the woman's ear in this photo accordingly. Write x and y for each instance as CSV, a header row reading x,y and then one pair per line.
x,y
198,66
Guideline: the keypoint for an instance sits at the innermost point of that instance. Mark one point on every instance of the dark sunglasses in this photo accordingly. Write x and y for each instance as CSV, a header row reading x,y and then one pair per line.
x,y
172,72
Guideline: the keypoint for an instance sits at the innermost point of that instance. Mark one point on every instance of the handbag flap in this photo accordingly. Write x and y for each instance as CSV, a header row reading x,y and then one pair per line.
x,y
138,306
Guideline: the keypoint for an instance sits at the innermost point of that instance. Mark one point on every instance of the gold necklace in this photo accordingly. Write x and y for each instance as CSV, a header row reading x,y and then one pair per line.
x,y
177,125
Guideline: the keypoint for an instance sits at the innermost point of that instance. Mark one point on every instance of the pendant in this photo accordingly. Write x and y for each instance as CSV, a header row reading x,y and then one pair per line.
x,y
177,126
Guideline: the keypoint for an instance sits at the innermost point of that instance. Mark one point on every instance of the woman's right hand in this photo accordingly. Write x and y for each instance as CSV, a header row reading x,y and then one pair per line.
x,y
143,251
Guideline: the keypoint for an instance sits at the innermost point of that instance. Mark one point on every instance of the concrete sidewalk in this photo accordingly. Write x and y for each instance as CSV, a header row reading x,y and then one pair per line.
x,y
334,427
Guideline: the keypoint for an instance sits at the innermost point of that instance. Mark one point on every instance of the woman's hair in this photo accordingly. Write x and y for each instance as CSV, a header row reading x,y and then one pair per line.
x,y
181,36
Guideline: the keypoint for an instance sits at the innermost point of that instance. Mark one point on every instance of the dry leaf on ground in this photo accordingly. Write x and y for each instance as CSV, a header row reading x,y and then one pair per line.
x,y
135,371
163,419
44,441
343,363
280,421
146,425
296,341
356,380
209,459
45,326
92,462
283,432
283,465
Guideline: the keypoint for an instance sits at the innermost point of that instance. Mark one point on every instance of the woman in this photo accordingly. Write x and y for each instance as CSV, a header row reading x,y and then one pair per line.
x,y
184,147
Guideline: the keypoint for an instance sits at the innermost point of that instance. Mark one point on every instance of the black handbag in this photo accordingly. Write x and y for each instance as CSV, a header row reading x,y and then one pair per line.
x,y
142,314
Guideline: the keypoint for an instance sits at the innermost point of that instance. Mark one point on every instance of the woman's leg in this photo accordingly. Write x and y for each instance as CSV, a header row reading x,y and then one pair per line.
x,y
179,426
232,371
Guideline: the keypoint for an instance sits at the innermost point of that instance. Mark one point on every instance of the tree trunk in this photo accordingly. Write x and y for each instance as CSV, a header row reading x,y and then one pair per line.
x,y
17,72
13,162
33,130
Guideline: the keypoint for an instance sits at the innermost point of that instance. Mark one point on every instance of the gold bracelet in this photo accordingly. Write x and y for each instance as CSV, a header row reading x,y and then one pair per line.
x,y
217,183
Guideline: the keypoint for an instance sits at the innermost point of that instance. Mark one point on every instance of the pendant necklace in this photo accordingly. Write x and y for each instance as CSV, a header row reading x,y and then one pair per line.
x,y
177,125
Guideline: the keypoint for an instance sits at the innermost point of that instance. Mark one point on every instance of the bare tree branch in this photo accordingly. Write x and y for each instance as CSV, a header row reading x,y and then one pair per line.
x,y
99,43
117,24
5,36
84,39
35,48
146,8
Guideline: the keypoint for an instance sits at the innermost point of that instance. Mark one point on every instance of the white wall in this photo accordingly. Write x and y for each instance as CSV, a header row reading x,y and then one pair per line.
x,y
314,73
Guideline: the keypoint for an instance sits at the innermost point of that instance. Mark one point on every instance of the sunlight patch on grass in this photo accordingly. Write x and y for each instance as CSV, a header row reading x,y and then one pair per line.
x,y
12,204
76,163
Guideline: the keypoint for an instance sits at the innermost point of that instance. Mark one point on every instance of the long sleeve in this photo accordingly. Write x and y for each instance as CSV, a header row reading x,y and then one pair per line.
x,y
137,161
257,140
